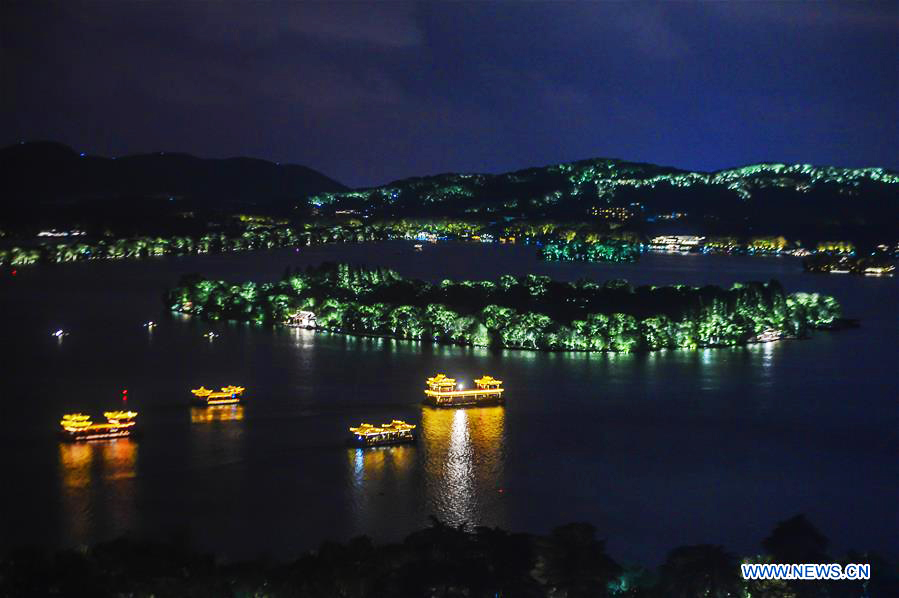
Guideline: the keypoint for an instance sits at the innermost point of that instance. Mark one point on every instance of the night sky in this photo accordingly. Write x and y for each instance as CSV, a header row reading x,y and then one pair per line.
x,y
368,93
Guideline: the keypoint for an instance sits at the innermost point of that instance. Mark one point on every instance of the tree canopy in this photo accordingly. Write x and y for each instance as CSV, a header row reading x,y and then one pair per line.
x,y
526,312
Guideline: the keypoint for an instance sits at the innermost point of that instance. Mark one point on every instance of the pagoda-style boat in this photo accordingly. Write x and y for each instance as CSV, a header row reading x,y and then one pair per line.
x,y
78,426
443,392
228,395
396,432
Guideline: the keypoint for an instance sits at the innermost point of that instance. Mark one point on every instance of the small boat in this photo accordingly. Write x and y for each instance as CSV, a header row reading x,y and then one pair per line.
x,y
396,432
444,392
149,325
77,427
418,247
210,335
59,333
228,395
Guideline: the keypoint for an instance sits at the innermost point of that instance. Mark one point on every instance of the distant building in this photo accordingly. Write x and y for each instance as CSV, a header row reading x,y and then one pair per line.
x,y
618,213
676,243
302,319
666,216
61,233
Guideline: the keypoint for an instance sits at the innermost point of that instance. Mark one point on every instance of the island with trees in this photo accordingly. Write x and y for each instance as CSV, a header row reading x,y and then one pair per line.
x,y
527,312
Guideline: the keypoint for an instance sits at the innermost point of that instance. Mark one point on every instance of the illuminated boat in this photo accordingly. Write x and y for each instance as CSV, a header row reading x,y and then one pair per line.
x,y
78,427
228,395
444,392
396,432
879,270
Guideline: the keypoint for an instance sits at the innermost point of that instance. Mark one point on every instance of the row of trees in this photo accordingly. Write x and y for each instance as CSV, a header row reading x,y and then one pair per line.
x,y
527,312
442,560
582,251
250,238
240,238
823,262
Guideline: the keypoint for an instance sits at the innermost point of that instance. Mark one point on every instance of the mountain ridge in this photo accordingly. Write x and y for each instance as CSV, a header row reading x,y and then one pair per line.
x,y
799,200
155,172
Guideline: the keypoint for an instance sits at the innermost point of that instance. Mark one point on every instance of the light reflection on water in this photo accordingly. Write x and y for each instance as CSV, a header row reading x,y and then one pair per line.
x,y
747,421
220,437
216,413
458,460
464,461
98,476
381,480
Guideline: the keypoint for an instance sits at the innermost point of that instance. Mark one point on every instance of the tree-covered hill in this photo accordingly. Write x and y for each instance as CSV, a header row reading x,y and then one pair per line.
x,y
798,200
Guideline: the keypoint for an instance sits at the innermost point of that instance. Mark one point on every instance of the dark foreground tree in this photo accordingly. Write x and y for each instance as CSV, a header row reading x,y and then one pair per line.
x,y
703,570
575,563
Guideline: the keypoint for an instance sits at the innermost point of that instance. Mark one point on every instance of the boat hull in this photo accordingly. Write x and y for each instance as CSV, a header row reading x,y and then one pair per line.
x,y
95,436
217,402
356,442
463,402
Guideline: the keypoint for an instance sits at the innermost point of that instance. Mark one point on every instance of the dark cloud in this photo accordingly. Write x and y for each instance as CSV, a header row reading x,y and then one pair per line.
x,y
368,92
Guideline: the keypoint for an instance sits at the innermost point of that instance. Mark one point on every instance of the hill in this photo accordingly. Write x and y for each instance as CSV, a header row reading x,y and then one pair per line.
x,y
797,200
49,182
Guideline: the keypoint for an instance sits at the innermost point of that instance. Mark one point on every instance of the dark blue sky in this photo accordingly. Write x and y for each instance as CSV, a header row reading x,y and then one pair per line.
x,y
368,93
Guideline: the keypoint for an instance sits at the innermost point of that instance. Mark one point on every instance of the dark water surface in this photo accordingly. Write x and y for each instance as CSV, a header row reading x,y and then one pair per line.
x,y
656,450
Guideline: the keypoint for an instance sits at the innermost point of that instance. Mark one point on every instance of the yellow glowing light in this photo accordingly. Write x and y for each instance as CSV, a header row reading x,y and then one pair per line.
x,y
216,413
77,426
396,431
443,391
228,395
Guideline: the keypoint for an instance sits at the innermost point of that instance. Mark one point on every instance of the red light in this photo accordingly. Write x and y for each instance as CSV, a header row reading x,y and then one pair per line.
x,y
14,272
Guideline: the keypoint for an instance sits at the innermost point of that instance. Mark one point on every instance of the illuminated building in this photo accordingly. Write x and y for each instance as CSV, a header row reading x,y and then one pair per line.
x,y
676,243
612,213
442,392
879,270
396,432
669,216
302,319
229,395
77,426
766,336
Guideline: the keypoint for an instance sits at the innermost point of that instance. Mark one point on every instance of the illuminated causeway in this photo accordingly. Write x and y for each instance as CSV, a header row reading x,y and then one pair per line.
x,y
77,426
396,432
443,392
228,395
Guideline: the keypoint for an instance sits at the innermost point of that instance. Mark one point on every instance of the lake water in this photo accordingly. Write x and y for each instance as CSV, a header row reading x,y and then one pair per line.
x,y
657,450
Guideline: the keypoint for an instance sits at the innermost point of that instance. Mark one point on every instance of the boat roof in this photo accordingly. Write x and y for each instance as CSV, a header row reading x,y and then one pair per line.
x,y
396,425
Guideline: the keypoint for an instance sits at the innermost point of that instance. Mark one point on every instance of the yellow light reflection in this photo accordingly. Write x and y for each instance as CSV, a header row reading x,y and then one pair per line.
x,y
97,486
380,478
369,465
75,463
463,461
221,413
